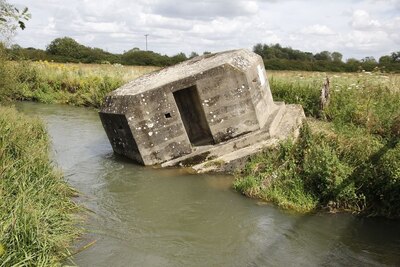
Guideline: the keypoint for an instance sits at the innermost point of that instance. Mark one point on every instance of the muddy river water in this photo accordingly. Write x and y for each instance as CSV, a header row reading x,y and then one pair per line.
x,y
141,216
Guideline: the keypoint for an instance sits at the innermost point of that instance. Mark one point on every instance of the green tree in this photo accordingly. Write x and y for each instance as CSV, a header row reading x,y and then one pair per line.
x,y
193,54
11,18
178,58
385,59
395,56
66,47
368,60
337,57
144,58
324,55
353,64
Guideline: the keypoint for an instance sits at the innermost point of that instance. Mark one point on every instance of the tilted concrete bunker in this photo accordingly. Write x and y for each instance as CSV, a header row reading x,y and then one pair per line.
x,y
202,102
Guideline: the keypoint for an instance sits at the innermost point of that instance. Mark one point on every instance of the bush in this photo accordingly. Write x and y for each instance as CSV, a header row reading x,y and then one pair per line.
x,y
375,109
292,92
273,176
7,80
329,167
383,186
324,173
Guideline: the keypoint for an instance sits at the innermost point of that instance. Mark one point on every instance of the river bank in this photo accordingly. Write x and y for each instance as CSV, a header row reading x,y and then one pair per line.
x,y
347,158
143,216
37,214
72,84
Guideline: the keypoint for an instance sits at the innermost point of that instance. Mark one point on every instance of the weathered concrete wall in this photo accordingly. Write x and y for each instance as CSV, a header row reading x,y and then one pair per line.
x,y
120,135
158,137
260,92
227,103
234,97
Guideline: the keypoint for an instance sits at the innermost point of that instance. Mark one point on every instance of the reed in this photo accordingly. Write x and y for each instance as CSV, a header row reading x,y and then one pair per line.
x,y
38,217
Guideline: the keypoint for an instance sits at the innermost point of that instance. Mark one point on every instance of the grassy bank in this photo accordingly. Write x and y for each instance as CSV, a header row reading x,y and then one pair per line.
x,y
36,211
74,84
37,215
347,159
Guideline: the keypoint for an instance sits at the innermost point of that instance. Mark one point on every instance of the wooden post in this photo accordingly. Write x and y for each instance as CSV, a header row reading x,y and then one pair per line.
x,y
325,94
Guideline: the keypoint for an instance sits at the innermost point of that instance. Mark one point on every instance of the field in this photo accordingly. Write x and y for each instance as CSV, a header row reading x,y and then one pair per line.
x,y
87,84
74,84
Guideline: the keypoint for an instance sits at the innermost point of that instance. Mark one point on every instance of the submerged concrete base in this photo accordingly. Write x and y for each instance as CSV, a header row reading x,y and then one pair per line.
x,y
229,156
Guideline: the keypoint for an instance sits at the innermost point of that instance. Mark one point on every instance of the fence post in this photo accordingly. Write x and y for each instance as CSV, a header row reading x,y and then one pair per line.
x,y
325,95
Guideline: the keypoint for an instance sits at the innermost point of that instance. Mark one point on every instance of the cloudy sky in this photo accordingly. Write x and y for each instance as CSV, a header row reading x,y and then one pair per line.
x,y
356,28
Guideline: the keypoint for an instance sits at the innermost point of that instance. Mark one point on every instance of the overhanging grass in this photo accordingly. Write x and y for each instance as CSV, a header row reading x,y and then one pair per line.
x,y
333,167
37,215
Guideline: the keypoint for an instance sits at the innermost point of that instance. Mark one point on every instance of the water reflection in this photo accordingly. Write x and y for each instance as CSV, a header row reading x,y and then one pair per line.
x,y
167,217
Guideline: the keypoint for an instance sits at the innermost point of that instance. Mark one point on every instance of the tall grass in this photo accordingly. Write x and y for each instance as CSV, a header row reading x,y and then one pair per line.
x,y
74,84
368,100
37,221
328,168
348,159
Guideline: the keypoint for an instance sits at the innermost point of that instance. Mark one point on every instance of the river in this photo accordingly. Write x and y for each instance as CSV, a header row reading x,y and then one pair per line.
x,y
141,216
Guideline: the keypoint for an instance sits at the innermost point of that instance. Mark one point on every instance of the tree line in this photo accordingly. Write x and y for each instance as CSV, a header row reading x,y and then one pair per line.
x,y
275,57
69,50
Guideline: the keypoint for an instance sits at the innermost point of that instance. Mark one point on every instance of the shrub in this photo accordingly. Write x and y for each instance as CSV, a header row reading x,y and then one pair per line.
x,y
330,166
292,92
7,81
383,187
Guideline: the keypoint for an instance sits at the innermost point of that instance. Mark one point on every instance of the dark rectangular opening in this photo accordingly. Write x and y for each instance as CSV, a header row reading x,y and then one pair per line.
x,y
193,117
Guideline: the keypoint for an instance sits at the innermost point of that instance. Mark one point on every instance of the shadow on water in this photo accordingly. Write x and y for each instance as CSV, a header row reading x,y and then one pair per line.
x,y
332,240
144,216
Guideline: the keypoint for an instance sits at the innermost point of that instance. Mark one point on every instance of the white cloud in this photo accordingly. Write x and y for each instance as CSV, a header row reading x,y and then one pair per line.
x,y
98,27
356,28
366,41
270,37
203,10
51,26
158,21
362,20
317,29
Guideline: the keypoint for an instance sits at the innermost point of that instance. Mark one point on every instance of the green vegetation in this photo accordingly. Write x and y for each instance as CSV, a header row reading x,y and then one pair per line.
x,y
75,84
36,210
37,215
68,50
275,57
11,18
347,160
